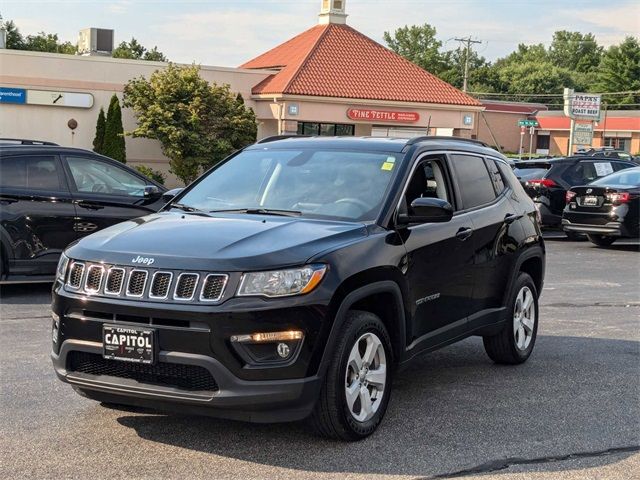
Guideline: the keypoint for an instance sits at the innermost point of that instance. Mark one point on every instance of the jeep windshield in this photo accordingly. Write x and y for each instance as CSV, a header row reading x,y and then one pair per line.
x,y
331,184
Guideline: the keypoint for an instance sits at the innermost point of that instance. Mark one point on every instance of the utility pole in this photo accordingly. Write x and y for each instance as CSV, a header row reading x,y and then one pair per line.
x,y
467,49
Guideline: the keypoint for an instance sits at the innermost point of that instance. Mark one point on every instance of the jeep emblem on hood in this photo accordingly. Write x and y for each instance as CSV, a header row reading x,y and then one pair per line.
x,y
143,260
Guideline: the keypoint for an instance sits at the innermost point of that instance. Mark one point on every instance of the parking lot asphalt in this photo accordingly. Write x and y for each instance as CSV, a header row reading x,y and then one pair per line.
x,y
572,411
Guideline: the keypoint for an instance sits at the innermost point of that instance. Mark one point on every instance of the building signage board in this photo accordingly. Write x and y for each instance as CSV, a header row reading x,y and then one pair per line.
x,y
583,133
584,105
382,115
13,95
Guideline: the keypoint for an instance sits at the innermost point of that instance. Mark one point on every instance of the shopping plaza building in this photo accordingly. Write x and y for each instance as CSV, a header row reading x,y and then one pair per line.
x,y
328,80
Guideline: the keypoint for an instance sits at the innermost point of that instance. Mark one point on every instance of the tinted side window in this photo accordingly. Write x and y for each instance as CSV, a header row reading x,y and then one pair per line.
x,y
96,176
617,166
32,172
476,186
496,176
586,172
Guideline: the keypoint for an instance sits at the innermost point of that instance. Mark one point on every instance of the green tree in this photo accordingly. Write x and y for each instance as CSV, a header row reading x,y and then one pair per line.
x,y
575,51
418,44
15,40
198,124
135,51
149,172
114,145
534,78
48,42
454,71
98,141
619,71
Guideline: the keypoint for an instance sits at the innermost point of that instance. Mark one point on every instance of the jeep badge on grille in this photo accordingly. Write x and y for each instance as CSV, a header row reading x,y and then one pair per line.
x,y
143,260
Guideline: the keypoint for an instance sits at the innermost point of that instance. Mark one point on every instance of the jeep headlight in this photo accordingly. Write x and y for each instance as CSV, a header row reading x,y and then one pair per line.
x,y
61,269
281,283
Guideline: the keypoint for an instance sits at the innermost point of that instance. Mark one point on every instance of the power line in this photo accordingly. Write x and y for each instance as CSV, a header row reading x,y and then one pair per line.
x,y
468,41
545,95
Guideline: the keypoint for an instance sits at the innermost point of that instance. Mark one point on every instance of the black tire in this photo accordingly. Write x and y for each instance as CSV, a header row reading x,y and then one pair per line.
x,y
601,240
576,237
331,417
502,347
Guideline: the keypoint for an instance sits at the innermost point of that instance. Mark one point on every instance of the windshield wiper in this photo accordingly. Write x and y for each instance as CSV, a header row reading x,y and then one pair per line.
x,y
261,211
184,208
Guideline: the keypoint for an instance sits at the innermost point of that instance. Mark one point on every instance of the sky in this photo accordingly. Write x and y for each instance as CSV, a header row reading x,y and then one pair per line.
x,y
228,33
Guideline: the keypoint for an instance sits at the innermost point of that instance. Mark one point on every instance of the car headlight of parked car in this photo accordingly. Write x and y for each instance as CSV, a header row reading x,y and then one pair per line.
x,y
282,283
61,269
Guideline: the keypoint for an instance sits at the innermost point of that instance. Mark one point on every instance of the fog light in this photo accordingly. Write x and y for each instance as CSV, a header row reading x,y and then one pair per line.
x,y
268,337
283,350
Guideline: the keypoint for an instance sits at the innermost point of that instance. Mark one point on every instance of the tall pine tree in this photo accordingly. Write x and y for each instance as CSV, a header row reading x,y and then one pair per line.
x,y
114,146
98,141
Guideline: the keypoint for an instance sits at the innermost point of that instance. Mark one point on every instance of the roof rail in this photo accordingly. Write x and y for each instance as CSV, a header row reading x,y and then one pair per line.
x,y
23,141
415,140
275,138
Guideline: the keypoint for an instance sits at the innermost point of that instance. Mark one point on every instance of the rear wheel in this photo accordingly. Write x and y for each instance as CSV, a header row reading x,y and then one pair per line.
x,y
515,341
357,386
601,240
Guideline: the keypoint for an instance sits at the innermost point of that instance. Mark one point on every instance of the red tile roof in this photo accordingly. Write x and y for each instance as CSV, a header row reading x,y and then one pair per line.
x,y
612,123
338,61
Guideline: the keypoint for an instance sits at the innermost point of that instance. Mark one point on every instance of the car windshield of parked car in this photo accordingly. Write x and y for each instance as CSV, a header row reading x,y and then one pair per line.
x,y
332,184
630,178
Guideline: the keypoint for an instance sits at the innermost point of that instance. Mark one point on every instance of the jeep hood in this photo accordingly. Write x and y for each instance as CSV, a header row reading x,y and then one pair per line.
x,y
229,242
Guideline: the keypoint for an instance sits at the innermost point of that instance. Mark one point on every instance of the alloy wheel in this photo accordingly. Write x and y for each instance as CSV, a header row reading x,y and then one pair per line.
x,y
365,377
524,314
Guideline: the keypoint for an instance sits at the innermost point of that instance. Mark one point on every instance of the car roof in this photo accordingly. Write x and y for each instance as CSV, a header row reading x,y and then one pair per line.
x,y
376,144
11,148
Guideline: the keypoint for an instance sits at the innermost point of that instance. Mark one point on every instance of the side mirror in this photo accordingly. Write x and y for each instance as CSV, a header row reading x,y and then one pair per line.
x,y
171,194
152,193
427,210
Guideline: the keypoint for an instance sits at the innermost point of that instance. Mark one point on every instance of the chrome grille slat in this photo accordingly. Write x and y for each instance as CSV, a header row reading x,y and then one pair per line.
x,y
76,272
186,286
93,282
213,287
160,284
137,282
115,280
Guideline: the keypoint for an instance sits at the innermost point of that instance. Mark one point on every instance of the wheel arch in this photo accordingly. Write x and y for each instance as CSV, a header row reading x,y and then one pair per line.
x,y
382,297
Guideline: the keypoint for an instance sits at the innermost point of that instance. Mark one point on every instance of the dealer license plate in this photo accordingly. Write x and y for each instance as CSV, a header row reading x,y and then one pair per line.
x,y
590,201
128,344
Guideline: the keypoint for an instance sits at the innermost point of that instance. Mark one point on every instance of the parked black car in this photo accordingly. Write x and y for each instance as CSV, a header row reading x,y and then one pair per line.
x,y
606,209
293,278
547,181
608,152
51,196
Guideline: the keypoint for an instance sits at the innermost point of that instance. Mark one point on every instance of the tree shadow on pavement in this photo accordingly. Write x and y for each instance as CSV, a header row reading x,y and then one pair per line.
x,y
453,411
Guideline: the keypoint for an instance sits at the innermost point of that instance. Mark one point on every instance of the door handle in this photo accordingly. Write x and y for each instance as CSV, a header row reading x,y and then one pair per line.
x,y
464,233
509,218
90,206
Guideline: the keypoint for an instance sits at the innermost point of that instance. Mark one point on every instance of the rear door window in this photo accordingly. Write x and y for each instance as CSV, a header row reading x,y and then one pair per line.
x,y
37,172
496,176
474,181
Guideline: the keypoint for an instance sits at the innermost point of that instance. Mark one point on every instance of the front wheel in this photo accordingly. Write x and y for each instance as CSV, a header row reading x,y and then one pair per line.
x,y
357,385
601,240
515,341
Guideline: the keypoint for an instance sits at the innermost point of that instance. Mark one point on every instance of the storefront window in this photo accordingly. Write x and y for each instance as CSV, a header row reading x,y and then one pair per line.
x,y
325,129
618,143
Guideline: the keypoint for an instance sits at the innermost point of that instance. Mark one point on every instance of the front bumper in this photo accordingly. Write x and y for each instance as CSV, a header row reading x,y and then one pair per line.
x,y
257,401
197,336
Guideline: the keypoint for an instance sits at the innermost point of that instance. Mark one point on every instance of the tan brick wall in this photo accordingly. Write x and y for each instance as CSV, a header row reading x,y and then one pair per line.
x,y
504,127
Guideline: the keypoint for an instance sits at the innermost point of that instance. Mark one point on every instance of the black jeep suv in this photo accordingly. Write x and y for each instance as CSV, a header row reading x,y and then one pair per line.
x,y
292,279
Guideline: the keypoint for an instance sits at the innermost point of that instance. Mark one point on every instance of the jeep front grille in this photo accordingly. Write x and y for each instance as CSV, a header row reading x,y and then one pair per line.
x,y
160,285
94,278
137,282
186,286
75,276
146,284
115,279
213,288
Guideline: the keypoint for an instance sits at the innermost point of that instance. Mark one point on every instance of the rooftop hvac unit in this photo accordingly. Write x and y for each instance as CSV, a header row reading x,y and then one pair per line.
x,y
95,41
